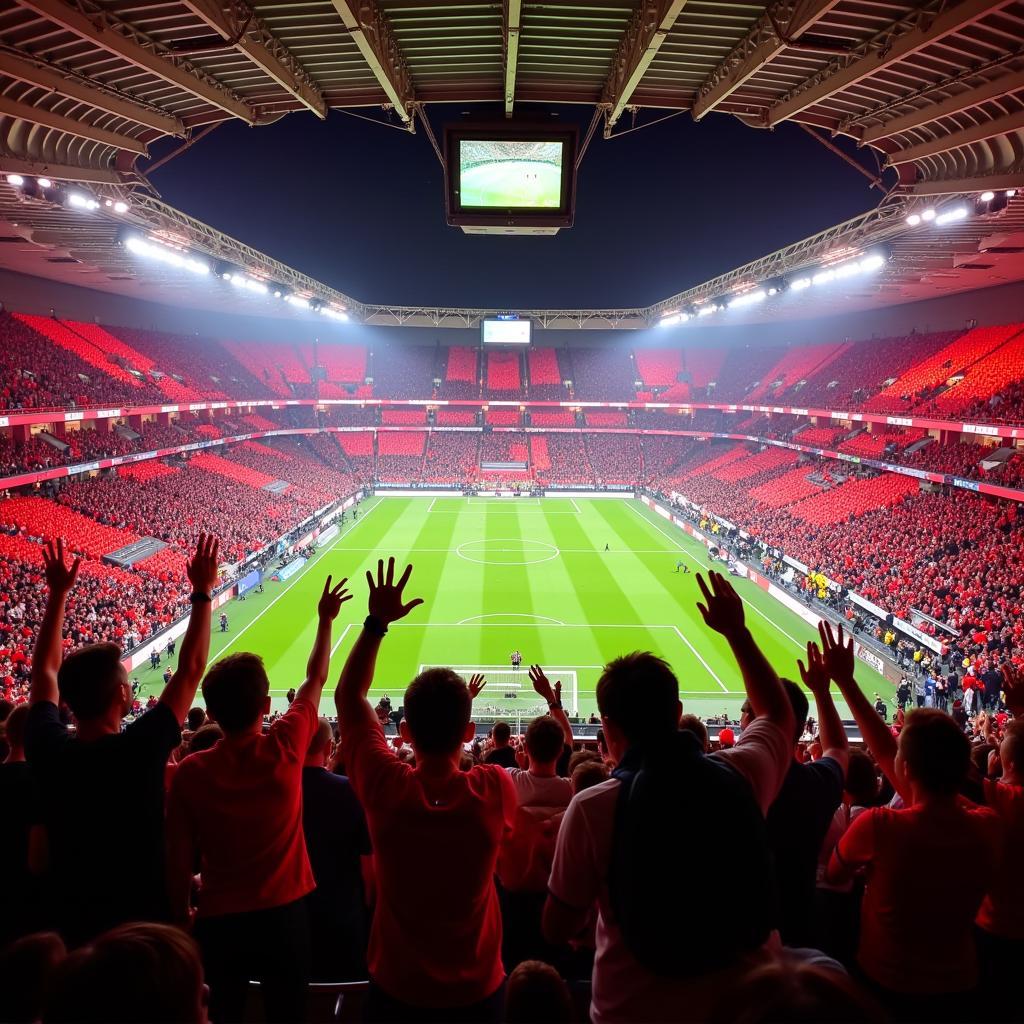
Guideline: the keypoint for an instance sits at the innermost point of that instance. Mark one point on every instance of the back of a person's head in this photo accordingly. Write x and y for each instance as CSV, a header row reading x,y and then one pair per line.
x,y
205,737
501,732
137,972
195,718
935,752
90,680
537,994
320,742
14,727
861,779
790,991
691,723
235,690
798,702
544,740
639,693
26,972
437,709
579,757
588,774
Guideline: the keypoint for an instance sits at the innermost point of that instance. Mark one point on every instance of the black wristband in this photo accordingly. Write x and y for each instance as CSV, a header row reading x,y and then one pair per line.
x,y
200,596
374,626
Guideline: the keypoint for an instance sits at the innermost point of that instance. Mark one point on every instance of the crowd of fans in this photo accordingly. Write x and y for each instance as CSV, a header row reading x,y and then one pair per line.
x,y
158,862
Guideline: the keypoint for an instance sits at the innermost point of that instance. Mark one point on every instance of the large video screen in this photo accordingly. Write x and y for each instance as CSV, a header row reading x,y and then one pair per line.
x,y
510,174
505,332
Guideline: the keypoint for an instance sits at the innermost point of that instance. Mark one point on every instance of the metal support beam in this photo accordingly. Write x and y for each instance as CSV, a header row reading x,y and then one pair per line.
x,y
783,24
512,11
48,77
957,186
79,129
968,136
647,30
995,89
376,42
58,172
912,33
247,33
102,29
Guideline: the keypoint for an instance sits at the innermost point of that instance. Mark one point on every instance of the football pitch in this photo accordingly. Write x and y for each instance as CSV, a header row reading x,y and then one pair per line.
x,y
527,574
529,184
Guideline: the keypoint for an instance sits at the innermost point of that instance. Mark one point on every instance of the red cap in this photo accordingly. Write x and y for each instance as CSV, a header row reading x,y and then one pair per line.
x,y
727,738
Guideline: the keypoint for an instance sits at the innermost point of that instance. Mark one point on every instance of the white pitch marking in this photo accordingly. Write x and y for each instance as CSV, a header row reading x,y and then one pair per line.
x,y
700,658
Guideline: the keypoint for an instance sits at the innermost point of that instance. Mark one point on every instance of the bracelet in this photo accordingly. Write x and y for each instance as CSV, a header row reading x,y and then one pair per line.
x,y
374,626
199,596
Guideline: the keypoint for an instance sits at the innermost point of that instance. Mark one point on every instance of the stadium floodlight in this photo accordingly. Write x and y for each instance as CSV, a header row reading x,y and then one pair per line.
x,y
748,298
298,301
120,206
951,216
928,215
247,283
987,197
78,201
16,180
153,250
798,284
1010,193
914,219
707,309
670,320
44,183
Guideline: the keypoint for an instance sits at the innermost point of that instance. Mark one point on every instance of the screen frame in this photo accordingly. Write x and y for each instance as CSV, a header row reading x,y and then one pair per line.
x,y
510,216
501,320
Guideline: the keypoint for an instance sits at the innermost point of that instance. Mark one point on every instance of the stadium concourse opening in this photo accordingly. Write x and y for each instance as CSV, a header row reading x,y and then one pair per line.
x,y
630,590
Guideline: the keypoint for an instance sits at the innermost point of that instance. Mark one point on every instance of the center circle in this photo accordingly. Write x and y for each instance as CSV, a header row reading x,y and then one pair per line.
x,y
507,551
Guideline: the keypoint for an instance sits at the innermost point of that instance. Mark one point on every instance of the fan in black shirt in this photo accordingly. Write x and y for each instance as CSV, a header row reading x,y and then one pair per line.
x,y
102,791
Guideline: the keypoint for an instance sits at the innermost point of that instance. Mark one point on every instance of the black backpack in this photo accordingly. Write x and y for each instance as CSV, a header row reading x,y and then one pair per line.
x,y
689,834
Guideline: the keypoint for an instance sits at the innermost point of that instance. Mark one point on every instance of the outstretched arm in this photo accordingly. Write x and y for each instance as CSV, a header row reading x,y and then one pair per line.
x,y
181,688
386,606
48,653
830,727
553,698
723,612
317,667
840,662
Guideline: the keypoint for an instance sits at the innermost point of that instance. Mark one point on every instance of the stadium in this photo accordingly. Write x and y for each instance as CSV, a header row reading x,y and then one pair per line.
x,y
647,508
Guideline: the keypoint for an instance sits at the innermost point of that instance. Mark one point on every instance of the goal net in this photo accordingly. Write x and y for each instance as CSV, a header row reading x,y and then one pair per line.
x,y
509,694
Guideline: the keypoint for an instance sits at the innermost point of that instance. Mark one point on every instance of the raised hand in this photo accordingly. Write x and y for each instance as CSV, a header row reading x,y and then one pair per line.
x,y
60,577
816,675
386,603
839,657
722,608
541,684
1013,688
202,567
332,599
476,683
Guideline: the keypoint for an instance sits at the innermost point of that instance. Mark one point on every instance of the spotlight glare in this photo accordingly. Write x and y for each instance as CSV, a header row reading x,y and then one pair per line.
x,y
670,320
44,183
799,284
78,201
120,207
987,197
16,180
183,261
914,219
928,214
1010,193
951,216
748,298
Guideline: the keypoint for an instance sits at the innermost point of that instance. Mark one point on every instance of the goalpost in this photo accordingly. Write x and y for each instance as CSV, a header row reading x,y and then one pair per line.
x,y
509,694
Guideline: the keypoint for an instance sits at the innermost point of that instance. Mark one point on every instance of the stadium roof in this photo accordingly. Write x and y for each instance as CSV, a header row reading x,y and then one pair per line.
x,y
935,90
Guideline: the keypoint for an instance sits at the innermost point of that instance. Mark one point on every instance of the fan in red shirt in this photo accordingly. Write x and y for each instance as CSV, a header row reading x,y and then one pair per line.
x,y
917,946
236,810
435,944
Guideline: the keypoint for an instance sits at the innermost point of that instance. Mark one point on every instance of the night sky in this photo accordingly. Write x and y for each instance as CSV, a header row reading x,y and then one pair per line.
x,y
361,207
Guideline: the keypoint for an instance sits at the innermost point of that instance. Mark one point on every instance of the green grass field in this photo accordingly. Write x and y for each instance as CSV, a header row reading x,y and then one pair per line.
x,y
528,574
524,184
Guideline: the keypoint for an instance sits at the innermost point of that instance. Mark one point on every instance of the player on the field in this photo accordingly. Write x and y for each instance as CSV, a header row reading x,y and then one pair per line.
x,y
682,567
